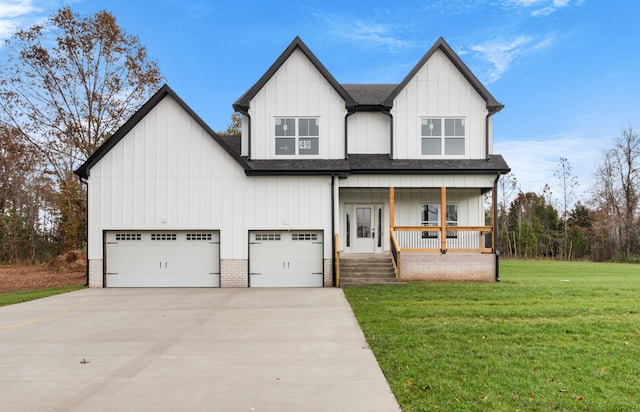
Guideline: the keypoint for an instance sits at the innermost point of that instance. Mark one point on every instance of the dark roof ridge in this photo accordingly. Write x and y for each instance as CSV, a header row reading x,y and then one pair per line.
x,y
242,104
492,104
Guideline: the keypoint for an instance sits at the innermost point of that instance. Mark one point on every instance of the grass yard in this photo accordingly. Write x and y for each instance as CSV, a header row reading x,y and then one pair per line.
x,y
27,295
552,336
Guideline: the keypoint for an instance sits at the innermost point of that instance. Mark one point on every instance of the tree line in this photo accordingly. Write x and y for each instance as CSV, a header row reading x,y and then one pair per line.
x,y
605,226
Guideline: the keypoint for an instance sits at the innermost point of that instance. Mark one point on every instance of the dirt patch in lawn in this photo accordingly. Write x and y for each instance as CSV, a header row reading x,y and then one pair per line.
x,y
65,270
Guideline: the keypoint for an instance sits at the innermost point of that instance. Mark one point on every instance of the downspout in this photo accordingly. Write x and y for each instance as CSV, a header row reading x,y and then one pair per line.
x,y
496,226
346,139
333,232
248,134
246,113
388,113
486,134
85,182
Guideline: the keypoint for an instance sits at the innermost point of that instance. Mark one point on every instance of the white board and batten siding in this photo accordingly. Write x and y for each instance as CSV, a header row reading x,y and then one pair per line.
x,y
297,89
368,133
168,174
439,90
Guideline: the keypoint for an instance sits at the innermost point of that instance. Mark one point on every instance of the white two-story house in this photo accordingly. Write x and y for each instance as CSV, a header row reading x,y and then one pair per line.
x,y
323,172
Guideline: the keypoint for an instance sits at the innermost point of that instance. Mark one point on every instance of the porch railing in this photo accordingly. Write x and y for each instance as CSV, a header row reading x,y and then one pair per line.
x,y
477,239
395,254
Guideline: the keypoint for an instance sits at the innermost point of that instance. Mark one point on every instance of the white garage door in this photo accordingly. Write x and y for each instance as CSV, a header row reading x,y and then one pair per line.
x,y
285,259
162,259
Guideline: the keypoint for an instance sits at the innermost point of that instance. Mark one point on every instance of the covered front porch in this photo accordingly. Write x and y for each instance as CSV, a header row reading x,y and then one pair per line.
x,y
433,233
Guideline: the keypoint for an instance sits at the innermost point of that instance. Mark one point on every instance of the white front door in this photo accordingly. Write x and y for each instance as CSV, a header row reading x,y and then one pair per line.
x,y
364,235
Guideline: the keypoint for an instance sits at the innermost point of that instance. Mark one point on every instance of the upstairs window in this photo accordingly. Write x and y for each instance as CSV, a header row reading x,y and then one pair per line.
x,y
297,136
441,135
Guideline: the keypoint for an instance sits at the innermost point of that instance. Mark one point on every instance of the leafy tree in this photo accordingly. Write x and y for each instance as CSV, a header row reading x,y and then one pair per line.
x,y
25,202
235,128
533,226
67,85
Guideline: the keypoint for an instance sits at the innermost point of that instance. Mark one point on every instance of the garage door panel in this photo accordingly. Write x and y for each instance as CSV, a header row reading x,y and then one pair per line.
x,y
286,259
162,259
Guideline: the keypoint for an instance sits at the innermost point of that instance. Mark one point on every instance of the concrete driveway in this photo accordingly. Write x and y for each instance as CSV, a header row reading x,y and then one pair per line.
x,y
188,349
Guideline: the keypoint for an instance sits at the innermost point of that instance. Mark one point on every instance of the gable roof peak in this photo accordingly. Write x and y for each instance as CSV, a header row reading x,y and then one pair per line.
x,y
242,104
441,44
165,91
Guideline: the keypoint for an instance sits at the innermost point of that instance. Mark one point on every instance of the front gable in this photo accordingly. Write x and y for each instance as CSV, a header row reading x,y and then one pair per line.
x,y
296,92
158,99
438,96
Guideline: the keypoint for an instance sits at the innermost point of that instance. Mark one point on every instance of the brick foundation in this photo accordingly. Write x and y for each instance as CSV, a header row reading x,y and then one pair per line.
x,y
449,267
95,273
234,273
328,273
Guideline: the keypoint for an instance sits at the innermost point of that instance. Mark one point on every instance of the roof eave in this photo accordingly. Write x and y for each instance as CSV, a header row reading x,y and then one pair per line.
x,y
85,169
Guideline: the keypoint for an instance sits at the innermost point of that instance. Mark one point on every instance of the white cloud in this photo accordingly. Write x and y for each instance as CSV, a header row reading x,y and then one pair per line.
x,y
16,14
380,31
500,53
542,7
372,35
534,161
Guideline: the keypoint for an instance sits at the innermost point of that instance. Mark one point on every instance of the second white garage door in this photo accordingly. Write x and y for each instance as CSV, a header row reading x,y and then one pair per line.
x,y
285,259
162,259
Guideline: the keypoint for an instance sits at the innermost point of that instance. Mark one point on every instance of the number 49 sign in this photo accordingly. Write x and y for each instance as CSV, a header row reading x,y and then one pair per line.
x,y
304,144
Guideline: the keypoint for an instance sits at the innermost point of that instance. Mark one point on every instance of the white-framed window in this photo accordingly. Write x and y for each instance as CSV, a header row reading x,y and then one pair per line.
x,y
430,216
297,136
442,136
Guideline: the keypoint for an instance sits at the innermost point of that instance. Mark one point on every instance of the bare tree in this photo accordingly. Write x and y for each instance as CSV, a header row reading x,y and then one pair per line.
x,y
568,184
617,190
67,86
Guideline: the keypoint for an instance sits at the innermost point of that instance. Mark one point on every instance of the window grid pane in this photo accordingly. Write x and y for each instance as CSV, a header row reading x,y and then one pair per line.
x,y
438,139
301,140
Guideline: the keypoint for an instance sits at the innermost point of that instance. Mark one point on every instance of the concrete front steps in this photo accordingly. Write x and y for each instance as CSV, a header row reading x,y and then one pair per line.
x,y
374,269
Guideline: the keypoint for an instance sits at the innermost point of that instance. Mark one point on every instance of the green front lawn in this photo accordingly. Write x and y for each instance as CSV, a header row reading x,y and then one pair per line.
x,y
27,295
552,336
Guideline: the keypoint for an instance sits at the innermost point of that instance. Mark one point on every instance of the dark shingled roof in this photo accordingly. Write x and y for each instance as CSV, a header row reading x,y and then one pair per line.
x,y
367,164
381,163
369,94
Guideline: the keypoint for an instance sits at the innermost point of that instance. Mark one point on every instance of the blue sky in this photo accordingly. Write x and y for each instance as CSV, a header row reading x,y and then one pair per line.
x,y
566,70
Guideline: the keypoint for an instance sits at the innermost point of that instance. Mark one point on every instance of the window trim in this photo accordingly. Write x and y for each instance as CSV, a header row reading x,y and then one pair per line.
x,y
443,137
297,138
